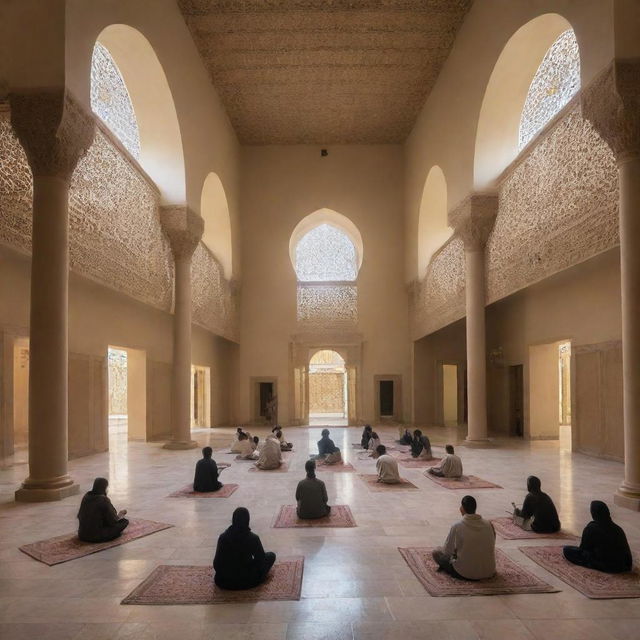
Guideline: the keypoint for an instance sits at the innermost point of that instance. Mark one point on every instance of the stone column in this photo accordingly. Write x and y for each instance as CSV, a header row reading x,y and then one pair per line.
x,y
473,220
184,230
612,104
55,132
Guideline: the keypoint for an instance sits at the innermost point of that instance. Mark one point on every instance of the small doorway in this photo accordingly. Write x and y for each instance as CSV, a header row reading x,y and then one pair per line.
x,y
264,400
328,394
200,397
388,398
516,401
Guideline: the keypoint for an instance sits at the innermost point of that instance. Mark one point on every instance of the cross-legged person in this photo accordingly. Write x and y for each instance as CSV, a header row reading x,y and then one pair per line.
x,y
538,513
284,445
327,450
98,520
420,446
366,436
469,551
450,466
247,447
387,467
240,561
311,495
374,442
603,545
270,455
206,475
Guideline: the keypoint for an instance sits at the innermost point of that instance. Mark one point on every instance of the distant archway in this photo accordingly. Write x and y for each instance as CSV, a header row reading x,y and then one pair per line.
x,y
214,209
433,228
498,132
161,154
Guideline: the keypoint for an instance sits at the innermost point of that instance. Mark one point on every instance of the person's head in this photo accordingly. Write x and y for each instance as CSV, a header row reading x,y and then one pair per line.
x,y
449,449
278,434
325,433
381,449
100,486
417,433
468,505
533,484
239,430
374,435
599,511
240,519
256,439
310,468
207,452
243,436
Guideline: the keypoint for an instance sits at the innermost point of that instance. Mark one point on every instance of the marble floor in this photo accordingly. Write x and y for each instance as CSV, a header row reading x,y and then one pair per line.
x,y
356,585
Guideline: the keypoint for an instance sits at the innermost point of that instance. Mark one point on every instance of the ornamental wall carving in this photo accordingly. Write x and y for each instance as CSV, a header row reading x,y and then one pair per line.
x,y
115,234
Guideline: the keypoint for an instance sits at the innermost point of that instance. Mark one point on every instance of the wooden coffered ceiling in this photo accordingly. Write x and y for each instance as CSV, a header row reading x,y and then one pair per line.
x,y
323,71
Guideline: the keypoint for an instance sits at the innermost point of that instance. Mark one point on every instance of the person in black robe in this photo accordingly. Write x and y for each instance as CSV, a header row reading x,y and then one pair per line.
x,y
240,561
420,443
326,445
406,438
98,520
539,506
603,546
205,479
366,436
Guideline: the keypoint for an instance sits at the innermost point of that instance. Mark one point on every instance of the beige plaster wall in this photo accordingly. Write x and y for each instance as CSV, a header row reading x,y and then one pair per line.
x,y
544,392
282,185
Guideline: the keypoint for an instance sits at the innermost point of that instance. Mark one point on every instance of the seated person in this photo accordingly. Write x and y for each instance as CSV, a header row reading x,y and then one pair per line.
x,y
311,495
420,446
270,455
387,466
469,551
205,479
328,451
246,447
284,445
450,466
98,519
240,561
406,437
603,546
538,509
374,443
255,442
366,436
235,446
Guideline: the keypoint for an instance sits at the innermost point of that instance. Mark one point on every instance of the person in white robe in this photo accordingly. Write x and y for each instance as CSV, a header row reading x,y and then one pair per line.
x,y
387,467
374,443
450,466
469,552
284,445
235,445
270,454
247,448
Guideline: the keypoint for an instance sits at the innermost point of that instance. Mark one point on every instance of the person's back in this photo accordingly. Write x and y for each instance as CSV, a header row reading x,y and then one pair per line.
x,y
545,516
311,495
451,466
98,520
387,467
472,541
366,436
608,547
271,455
246,448
205,478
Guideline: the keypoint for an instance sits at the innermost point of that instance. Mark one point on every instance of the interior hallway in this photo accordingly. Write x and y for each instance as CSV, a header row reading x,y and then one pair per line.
x,y
356,585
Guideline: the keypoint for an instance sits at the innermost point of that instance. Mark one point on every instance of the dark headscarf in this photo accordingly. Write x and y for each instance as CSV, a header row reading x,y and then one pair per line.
x,y
240,520
533,484
600,512
100,487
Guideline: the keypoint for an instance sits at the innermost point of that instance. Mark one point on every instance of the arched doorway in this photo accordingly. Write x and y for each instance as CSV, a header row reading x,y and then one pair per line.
x,y
328,394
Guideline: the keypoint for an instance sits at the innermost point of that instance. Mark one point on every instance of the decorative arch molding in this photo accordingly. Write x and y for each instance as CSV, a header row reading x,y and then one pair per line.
x,y
433,227
330,217
161,152
497,133
214,209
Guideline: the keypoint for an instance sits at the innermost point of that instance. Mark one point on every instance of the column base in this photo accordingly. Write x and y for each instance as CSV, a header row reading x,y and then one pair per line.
x,y
478,442
40,494
177,445
628,498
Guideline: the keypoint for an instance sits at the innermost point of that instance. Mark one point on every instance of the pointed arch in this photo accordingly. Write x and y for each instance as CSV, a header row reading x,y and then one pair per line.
x,y
214,209
433,228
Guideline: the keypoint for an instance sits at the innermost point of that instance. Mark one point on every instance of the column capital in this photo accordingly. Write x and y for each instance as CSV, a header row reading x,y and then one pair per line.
x,y
612,104
183,227
53,128
473,219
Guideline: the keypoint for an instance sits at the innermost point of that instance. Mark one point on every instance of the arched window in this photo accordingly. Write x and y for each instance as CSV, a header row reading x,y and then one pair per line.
x,y
110,100
556,81
326,254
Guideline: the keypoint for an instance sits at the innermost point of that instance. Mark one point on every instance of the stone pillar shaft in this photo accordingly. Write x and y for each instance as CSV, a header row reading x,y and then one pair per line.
x,y
55,132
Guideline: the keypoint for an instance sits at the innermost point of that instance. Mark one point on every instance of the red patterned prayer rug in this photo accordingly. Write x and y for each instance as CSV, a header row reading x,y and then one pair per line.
x,y
464,482
593,584
415,463
69,547
340,517
179,584
510,577
345,467
371,480
509,531
283,468
187,492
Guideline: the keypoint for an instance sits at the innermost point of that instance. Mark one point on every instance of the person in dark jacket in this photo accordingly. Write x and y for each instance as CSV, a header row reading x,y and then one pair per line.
x,y
539,506
205,479
366,436
240,561
406,438
311,495
98,520
420,446
327,450
604,545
